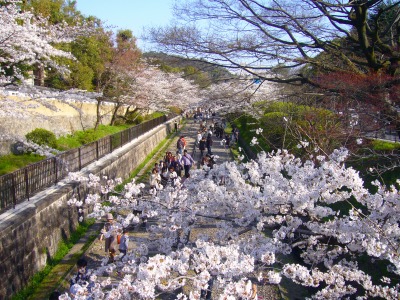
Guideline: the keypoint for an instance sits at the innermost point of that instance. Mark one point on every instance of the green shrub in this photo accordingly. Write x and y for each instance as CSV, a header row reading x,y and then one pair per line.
x,y
175,110
67,142
42,137
134,118
153,115
139,119
247,126
385,145
88,136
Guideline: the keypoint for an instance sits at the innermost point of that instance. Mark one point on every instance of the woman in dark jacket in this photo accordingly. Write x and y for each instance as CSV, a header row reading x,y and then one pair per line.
x,y
209,143
202,146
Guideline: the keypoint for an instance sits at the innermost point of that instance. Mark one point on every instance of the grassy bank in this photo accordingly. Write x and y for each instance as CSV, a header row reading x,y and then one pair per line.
x,y
10,163
37,284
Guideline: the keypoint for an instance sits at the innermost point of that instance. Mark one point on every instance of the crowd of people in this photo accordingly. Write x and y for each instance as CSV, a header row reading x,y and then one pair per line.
x,y
210,127
171,170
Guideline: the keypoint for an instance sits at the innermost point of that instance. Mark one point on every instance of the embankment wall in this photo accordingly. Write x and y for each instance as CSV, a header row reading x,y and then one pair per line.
x,y
30,233
60,117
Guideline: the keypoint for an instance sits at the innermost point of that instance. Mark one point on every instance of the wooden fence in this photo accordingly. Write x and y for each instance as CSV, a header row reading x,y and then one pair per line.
x,y
18,186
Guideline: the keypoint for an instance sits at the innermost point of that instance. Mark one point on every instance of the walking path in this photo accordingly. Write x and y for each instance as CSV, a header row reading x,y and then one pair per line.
x,y
95,253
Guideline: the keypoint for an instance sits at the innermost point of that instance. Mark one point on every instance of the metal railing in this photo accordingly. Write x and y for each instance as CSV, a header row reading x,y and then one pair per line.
x,y
22,184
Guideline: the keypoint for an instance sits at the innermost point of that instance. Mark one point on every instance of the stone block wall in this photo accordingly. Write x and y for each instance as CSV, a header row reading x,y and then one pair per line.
x,y
30,235
59,117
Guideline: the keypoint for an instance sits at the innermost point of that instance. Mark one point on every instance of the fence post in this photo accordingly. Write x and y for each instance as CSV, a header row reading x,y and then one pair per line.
x,y
121,139
55,170
79,157
111,147
97,150
13,189
26,183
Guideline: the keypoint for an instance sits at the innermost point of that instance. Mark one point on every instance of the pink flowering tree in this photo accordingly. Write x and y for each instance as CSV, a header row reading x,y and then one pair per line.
x,y
27,40
155,90
238,94
262,211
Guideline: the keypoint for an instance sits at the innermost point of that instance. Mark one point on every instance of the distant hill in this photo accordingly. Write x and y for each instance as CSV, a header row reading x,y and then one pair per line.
x,y
201,72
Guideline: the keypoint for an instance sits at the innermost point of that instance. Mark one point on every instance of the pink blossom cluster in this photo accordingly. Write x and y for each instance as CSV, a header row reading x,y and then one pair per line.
x,y
29,39
295,201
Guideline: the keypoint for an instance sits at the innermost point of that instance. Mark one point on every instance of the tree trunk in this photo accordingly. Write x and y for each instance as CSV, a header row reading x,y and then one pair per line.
x,y
38,75
115,113
98,114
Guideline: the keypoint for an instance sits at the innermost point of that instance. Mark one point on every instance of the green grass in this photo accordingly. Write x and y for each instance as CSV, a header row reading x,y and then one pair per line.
x,y
247,130
79,138
147,160
63,249
82,137
384,145
10,163
153,115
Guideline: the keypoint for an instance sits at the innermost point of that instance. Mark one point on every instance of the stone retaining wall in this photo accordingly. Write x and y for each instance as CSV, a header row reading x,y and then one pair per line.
x,y
59,117
30,234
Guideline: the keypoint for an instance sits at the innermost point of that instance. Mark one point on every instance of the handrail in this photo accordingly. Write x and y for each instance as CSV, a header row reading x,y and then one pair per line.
x,y
22,184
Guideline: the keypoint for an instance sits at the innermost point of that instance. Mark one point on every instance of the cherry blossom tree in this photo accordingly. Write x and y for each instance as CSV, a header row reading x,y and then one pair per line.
x,y
268,35
147,88
114,83
27,40
158,90
263,210
239,95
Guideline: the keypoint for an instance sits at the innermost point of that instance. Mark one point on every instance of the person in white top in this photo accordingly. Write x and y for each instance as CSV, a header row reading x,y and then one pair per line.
x,y
173,176
179,157
198,138
155,180
250,291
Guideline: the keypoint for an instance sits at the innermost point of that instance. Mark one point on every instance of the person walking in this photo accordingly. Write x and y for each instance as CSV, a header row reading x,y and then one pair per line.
x,y
108,233
155,180
236,132
209,143
180,144
184,142
202,146
177,165
124,242
188,161
82,276
198,138
172,176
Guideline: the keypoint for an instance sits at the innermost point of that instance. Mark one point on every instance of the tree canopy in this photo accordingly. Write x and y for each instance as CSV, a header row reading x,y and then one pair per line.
x,y
263,36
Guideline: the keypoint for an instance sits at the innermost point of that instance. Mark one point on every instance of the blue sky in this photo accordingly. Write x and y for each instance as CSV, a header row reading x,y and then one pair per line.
x,y
129,14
